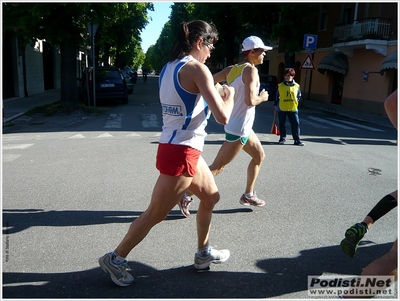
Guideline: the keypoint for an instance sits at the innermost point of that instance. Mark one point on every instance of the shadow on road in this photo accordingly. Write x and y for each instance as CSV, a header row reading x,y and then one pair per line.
x,y
279,276
15,221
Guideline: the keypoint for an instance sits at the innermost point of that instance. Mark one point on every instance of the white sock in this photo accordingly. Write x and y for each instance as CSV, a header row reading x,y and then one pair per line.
x,y
250,194
204,251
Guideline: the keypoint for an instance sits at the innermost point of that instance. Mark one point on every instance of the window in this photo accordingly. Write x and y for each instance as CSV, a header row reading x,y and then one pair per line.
x,y
347,16
323,22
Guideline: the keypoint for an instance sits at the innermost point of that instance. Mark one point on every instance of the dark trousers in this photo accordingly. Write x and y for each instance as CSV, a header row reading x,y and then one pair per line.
x,y
294,124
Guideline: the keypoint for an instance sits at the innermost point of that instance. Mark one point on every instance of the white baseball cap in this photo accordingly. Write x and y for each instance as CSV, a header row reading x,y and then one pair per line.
x,y
253,42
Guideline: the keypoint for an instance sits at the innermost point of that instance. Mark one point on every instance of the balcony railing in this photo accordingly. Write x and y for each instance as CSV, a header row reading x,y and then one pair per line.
x,y
374,28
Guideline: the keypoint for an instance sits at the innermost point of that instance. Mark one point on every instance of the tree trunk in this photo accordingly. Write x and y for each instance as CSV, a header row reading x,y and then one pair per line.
x,y
106,54
69,87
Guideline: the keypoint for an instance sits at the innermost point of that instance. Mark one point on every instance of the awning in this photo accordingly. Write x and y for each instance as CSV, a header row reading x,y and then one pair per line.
x,y
335,61
389,63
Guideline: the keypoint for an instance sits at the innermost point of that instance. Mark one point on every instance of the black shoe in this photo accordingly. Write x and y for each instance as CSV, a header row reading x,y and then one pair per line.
x,y
353,236
299,143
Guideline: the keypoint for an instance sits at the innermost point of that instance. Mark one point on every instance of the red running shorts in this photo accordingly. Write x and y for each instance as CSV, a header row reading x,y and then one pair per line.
x,y
174,159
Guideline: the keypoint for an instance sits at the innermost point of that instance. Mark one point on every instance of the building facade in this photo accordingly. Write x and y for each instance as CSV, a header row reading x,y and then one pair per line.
x,y
29,69
355,58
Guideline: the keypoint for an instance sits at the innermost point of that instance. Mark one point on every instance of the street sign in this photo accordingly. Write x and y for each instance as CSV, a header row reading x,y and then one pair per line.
x,y
92,29
310,41
308,63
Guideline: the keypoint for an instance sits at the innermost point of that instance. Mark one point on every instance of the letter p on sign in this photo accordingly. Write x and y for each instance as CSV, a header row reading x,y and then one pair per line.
x,y
310,41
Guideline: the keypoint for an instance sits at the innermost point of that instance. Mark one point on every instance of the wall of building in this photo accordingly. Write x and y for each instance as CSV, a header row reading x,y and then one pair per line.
x,y
360,94
57,68
34,69
320,83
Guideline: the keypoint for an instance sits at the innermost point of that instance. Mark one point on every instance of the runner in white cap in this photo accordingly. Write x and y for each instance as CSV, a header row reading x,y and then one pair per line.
x,y
239,132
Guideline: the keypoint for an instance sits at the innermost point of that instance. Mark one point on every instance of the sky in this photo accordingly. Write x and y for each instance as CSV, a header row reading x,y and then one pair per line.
x,y
159,17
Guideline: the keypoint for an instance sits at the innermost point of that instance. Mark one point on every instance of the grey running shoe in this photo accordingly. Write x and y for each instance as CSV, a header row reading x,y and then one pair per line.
x,y
117,272
184,205
254,201
215,256
353,236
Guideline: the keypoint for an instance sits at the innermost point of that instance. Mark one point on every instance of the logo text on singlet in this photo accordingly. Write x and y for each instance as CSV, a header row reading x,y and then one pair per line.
x,y
172,110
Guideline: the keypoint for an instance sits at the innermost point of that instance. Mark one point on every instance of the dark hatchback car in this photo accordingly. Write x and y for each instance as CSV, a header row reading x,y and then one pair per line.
x,y
110,86
270,84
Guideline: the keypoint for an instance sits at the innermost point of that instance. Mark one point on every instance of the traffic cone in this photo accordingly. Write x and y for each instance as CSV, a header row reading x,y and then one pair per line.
x,y
274,128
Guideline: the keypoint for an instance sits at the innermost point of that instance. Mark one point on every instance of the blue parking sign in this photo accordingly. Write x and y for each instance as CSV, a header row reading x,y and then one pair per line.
x,y
310,41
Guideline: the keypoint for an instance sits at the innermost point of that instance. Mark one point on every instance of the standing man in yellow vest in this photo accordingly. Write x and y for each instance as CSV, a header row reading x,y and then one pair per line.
x,y
286,104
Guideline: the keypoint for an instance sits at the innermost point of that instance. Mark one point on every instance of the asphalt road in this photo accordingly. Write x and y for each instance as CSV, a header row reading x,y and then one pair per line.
x,y
72,185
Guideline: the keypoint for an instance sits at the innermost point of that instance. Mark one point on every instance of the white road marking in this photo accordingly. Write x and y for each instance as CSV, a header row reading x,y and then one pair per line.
x,y
133,135
77,136
114,121
332,123
313,124
149,121
105,135
10,157
359,125
16,146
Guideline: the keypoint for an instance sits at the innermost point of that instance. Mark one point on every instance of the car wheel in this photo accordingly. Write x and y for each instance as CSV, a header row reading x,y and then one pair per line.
x,y
125,100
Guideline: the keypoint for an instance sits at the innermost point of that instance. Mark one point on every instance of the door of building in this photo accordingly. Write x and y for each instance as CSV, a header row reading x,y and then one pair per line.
x,y
337,91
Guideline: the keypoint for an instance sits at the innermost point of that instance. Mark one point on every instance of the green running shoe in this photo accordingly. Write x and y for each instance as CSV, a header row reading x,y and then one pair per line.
x,y
353,236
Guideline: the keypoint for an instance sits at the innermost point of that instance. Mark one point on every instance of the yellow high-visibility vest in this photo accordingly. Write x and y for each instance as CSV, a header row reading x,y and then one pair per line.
x,y
288,97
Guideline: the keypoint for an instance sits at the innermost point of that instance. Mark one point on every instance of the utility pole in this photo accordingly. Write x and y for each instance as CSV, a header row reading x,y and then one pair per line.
x,y
92,28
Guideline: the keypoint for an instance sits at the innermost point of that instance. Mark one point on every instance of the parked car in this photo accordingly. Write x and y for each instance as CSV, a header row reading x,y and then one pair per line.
x,y
132,73
270,84
110,85
129,81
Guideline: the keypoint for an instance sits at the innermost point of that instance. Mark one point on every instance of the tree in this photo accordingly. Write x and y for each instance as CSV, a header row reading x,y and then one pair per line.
x,y
288,30
159,54
235,21
120,28
65,25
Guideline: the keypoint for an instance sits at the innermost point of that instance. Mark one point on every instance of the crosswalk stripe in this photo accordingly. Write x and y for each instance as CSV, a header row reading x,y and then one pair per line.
x,y
149,120
114,121
332,123
359,125
315,125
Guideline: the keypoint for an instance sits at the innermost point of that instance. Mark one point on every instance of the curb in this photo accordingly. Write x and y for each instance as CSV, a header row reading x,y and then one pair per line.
x,y
5,120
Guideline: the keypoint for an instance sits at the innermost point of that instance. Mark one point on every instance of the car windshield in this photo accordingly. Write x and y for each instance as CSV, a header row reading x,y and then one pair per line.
x,y
107,74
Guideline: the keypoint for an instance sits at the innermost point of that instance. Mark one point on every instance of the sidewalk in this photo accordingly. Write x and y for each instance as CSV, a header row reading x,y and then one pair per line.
x,y
15,107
